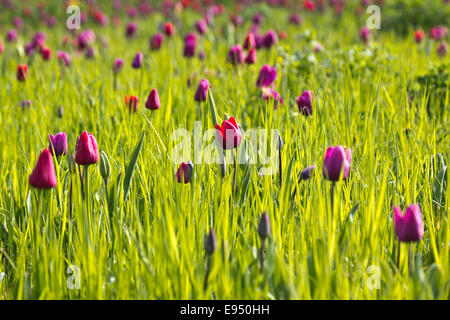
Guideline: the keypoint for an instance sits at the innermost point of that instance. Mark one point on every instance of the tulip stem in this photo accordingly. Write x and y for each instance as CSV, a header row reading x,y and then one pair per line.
x,y
410,258
234,172
333,185
208,267
70,197
398,255
261,255
81,180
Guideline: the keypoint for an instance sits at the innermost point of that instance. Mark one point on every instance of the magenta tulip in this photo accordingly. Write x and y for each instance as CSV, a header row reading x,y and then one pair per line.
x,y
266,76
58,144
408,227
152,102
304,103
202,90
43,175
184,172
86,150
228,134
336,159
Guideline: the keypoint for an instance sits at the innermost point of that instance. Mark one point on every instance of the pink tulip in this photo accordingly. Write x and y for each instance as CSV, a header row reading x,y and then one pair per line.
x,y
43,175
336,159
86,151
408,227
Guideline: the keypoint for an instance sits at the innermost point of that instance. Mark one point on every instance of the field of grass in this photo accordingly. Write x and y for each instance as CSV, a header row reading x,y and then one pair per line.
x,y
149,243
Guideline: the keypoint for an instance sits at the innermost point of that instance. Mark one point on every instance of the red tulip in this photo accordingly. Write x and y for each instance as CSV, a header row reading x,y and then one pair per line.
x,y
87,151
152,102
22,72
43,175
228,135
184,172
132,102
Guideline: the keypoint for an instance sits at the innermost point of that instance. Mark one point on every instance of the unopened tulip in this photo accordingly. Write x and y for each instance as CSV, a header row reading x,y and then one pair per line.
x,y
11,35
228,134
168,29
117,66
137,61
43,175
236,55
270,38
152,102
438,33
442,49
58,144
132,103
201,26
408,227
156,41
237,20
131,30
64,58
249,41
418,36
365,34
22,72
308,172
295,19
337,159
184,172
264,226
266,76
304,103
190,44
46,53
269,93
211,242
86,151
202,90
251,56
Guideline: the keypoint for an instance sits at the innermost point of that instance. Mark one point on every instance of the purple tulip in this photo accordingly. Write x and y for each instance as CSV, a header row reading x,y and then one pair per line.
x,y
137,61
58,144
408,227
441,50
18,22
131,30
152,102
29,49
39,39
86,39
117,65
304,103
270,38
184,172
201,26
11,35
364,34
295,19
257,18
90,53
236,55
202,90
201,55
251,56
308,172
190,43
156,41
266,76
237,20
336,159
63,58
259,40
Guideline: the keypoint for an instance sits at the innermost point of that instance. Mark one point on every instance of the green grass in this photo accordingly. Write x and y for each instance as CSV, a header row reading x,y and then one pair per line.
x,y
151,246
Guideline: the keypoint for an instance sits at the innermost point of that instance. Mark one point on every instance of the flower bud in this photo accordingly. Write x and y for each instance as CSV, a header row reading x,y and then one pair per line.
x,y
211,242
264,226
105,166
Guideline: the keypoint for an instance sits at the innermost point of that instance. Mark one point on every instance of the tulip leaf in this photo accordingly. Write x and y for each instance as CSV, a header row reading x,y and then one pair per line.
x,y
131,166
212,105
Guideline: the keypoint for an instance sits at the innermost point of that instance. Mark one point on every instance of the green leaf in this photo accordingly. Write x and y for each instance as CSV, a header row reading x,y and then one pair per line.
x,y
212,106
131,166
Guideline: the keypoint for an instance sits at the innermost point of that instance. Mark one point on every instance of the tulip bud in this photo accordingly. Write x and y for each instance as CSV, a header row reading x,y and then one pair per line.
x,y
251,56
201,26
105,166
270,38
132,103
60,112
22,72
156,41
304,103
152,102
202,90
264,226
228,134
43,175
86,149
408,227
211,242
279,143
336,159
249,42
58,144
266,76
117,65
131,30
308,172
137,61
168,29
184,172
236,55
190,44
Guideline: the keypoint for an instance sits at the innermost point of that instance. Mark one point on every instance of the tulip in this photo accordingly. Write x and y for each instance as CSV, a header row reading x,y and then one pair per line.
x,y
237,20
259,40
190,43
228,134
152,102
295,19
2,46
117,66
269,93
309,5
86,150
201,26
270,38
131,30
408,227
156,41
441,50
184,172
202,55
438,33
210,247
168,29
236,55
304,103
266,76
29,49
257,18
58,144
11,35
63,58
251,56
308,172
43,175
202,90
249,42
22,72
264,233
85,39
132,103
18,22
38,39
365,34
336,159
418,36
137,61
90,53
46,53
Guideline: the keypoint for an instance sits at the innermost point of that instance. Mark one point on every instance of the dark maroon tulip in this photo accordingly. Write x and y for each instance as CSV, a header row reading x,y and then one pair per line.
x,y
184,172
438,33
22,72
29,49
46,53
201,55
137,61
257,18
131,30
251,56
132,103
270,38
152,102
43,175
236,55
308,172
304,103
86,150
295,19
90,53
156,41
442,49
202,90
